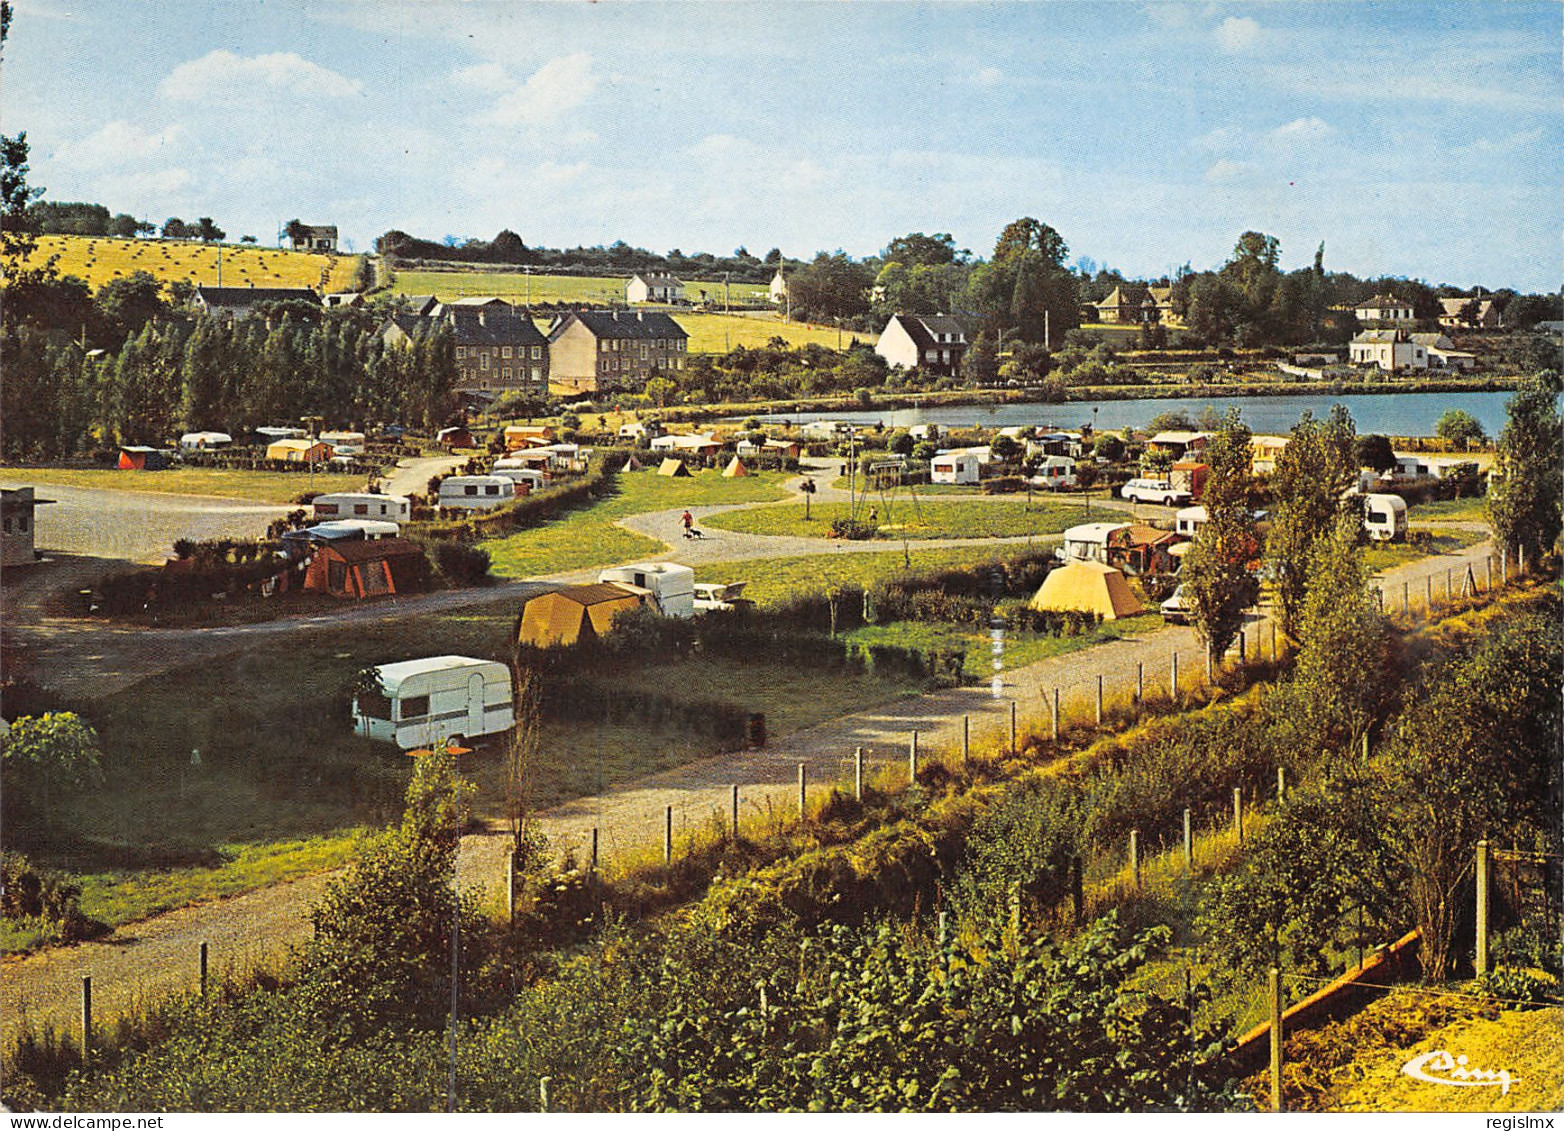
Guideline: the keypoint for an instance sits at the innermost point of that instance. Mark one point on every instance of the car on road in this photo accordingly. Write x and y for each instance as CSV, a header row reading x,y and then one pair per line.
x,y
1155,491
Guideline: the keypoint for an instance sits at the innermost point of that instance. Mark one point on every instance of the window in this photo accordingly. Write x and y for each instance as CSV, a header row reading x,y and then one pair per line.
x,y
491,489
483,362
504,351
506,373
374,705
415,707
644,354
471,488
537,373
361,508
461,352
537,352
325,508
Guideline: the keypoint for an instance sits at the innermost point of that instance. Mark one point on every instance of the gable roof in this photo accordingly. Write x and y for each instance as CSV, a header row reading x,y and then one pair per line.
x,y
628,324
1364,336
371,550
249,296
922,329
494,326
657,280
320,231
1379,302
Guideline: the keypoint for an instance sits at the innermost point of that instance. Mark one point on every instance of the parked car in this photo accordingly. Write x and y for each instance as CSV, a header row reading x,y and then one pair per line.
x,y
710,597
1154,491
1175,610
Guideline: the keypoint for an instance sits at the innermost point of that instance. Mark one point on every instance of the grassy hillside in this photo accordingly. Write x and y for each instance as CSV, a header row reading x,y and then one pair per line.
x,y
98,259
515,286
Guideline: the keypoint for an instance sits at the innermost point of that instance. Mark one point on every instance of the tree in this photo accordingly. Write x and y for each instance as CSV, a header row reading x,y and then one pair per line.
x,y
980,364
508,248
176,229
918,249
1217,582
659,390
1459,427
297,230
1526,483
1374,451
1029,235
128,304
829,288
1313,475
208,232
50,754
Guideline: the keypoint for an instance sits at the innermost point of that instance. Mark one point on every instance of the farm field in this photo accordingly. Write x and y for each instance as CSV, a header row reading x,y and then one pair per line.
x,y
99,259
279,487
1450,510
589,537
718,333
516,286
985,518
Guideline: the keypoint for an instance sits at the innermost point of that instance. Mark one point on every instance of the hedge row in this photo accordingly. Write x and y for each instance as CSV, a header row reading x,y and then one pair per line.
x,y
527,512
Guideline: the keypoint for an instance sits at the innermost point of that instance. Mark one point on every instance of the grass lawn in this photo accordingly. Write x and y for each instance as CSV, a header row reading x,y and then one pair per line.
x,y
588,537
100,259
773,580
514,286
1385,555
718,333
1020,648
1449,510
987,518
280,487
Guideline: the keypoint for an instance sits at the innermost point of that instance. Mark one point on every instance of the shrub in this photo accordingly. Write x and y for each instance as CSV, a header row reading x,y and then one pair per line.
x,y
461,564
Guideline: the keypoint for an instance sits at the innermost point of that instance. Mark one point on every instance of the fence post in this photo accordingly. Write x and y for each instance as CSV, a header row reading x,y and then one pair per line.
x,y
1428,584
803,792
1099,700
1504,565
1135,857
1281,783
1173,680
203,969
1483,879
1406,597
1189,842
1488,573
86,1015
1055,714
1140,681
1379,598
1520,559
543,1083
966,738
594,849
1208,666
1448,593
1013,734
1276,1039
1275,656
735,812
510,893
668,836
1243,648
1077,889
912,760
1238,812
858,773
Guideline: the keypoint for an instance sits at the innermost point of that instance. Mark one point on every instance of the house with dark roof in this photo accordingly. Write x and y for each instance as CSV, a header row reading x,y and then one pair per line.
x,y
1469,314
935,343
498,348
419,304
1137,303
315,237
654,288
1383,309
240,302
595,351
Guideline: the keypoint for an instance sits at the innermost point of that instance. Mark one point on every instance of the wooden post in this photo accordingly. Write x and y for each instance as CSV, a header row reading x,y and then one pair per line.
x,y
86,1015
1189,842
1274,655
1056,714
735,812
1406,597
1504,565
1077,889
1488,573
858,773
668,836
1379,598
1243,649
1099,700
1208,666
543,1083
1520,559
1276,1039
1173,680
1013,734
1483,886
1135,857
594,849
1140,681
203,969
912,760
966,738
803,792
1448,592
510,887
1281,783
1238,813
1428,584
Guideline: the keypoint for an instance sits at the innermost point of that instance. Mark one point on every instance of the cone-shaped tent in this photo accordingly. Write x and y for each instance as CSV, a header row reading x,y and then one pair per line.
x,y
632,464
735,469
673,468
1087,587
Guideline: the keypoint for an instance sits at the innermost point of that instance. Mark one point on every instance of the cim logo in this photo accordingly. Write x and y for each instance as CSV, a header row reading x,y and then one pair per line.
x,y
1439,1067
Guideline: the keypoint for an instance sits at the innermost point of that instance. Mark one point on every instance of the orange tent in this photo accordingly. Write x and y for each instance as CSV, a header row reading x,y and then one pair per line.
x,y
1087,587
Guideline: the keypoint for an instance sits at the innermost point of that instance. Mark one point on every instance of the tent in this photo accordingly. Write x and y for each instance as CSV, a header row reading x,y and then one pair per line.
x,y
674,468
367,568
632,464
298,451
1087,587
140,458
574,611
457,437
735,469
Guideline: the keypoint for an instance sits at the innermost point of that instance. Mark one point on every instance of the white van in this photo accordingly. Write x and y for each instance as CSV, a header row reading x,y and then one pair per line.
x,y
672,586
1055,473
476,492
439,699
1385,517
351,504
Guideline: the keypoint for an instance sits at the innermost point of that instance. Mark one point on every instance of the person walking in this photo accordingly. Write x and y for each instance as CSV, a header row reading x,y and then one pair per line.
x,y
688,520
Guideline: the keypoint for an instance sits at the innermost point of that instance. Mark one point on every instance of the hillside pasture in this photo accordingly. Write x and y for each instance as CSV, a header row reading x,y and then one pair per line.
x,y
518,287
101,259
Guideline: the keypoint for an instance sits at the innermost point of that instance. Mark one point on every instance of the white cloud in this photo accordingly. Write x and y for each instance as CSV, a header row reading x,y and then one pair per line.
x,y
1223,139
554,90
1303,131
225,77
1170,16
1237,34
115,144
154,185
1225,170
489,77
989,76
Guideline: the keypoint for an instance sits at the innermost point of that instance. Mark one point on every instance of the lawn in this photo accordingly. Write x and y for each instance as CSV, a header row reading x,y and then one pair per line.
x,y
588,537
773,580
517,287
279,487
1450,510
719,333
902,518
1020,648
99,259
1386,555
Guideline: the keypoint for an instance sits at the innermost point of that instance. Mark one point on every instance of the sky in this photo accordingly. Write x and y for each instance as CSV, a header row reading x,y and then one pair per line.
x,y
1420,139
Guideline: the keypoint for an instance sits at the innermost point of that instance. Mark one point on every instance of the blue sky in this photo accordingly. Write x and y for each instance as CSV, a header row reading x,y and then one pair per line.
x,y
1415,139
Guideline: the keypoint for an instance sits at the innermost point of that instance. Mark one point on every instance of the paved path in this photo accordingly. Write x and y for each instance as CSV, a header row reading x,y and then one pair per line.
x,y
411,476
140,526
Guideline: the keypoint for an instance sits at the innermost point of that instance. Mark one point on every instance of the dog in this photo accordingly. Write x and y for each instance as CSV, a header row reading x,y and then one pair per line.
x,y
695,532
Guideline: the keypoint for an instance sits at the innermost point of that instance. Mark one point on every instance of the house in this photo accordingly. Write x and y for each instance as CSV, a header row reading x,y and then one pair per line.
x,y
640,429
1137,303
1469,314
240,302
1442,353
1390,350
926,431
314,237
1138,549
1088,542
1383,308
955,467
344,298
654,288
299,451
1179,443
1087,587
498,348
595,351
574,611
778,288
419,305
421,703
935,343
138,457
365,567
1264,450
16,516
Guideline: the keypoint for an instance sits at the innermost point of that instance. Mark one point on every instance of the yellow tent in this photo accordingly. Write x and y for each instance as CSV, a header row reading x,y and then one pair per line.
x,y
673,468
568,613
1087,587
735,469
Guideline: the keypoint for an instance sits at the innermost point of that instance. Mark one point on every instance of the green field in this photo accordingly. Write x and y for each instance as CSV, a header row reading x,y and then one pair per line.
x,y
518,287
718,333
1450,510
1386,555
279,487
588,537
1021,648
976,518
773,580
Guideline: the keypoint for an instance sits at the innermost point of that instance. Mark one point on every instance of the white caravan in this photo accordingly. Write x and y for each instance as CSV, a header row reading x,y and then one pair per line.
x,y
476,492
439,699
1385,517
672,586
362,504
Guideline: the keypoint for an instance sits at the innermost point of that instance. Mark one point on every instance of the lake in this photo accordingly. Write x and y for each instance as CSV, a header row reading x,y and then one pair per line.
x,y
1393,414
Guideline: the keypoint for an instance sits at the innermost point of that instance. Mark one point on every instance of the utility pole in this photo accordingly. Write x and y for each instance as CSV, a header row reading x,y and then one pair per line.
x,y
528,270
312,426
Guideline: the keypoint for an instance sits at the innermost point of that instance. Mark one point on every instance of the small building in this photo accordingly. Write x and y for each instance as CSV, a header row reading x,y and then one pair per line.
x,y
1390,350
640,430
421,703
299,451
955,467
352,299
240,302
1088,541
364,567
476,492
314,237
1179,443
1442,353
574,611
204,441
1264,451
654,288
1087,587
1469,314
1383,309
138,457
16,516
604,351
936,343
777,290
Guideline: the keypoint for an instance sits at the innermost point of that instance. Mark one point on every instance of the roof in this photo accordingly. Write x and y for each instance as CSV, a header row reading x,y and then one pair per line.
x,y
320,230
20,498
1093,531
922,329
657,280
392,675
1179,437
636,324
421,304
1364,336
1380,301
249,296
594,593
292,444
372,550
497,326
1139,534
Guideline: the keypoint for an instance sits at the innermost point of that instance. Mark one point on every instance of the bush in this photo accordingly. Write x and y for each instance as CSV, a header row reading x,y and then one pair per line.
x,y
853,529
461,564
